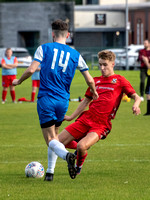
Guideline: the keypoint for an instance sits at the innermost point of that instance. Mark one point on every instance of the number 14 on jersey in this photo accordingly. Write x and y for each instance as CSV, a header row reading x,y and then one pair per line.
x,y
60,63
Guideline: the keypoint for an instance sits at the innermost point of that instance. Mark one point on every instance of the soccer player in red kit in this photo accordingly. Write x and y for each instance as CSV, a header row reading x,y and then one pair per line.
x,y
95,124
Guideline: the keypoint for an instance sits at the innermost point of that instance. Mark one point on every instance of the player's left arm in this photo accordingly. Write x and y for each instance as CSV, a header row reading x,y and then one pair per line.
x,y
14,65
136,106
29,71
130,92
146,61
82,106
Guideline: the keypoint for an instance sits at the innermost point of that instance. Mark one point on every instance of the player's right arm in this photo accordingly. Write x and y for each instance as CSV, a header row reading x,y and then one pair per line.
x,y
90,82
146,61
82,106
82,66
4,65
30,70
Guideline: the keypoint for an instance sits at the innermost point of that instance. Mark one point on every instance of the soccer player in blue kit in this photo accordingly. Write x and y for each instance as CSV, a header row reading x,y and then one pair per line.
x,y
58,64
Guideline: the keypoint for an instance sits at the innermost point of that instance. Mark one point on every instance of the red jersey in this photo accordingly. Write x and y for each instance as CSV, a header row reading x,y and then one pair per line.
x,y
143,52
110,90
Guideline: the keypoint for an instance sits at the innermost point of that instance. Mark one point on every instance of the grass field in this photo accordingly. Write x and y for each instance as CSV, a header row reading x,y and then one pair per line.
x,y
117,168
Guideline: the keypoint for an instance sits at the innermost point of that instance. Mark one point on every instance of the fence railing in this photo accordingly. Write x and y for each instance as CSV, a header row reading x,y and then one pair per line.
x,y
120,63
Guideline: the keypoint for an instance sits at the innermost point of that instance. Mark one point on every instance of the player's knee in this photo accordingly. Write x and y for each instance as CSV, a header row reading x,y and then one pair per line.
x,y
81,146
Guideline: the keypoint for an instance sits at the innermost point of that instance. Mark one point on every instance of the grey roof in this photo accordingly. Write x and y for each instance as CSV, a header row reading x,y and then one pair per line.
x,y
114,7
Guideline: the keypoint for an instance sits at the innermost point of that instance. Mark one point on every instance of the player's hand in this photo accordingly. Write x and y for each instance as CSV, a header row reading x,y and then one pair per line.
x,y
95,96
67,118
136,110
15,82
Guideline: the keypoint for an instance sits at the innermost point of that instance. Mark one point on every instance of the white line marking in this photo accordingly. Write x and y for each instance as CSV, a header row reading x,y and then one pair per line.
x,y
94,161
35,146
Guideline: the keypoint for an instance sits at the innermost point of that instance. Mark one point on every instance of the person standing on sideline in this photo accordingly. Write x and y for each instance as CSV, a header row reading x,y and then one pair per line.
x,y
58,64
35,83
147,91
143,69
9,71
94,124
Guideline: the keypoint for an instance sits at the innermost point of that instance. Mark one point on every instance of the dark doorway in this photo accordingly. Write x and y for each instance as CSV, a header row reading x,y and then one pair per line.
x,y
29,40
114,39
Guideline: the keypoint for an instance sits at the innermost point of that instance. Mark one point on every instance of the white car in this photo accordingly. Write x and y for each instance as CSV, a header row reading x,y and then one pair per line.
x,y
22,54
117,52
133,51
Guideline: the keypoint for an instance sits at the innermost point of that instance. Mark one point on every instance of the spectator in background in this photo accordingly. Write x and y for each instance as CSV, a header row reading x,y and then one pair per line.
x,y
35,83
147,91
9,71
143,70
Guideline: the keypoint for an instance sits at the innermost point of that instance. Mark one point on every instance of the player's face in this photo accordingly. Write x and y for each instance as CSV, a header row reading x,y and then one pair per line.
x,y
146,44
106,67
9,53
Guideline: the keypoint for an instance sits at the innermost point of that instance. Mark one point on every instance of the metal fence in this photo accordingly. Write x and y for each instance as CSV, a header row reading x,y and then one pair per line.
x,y
120,63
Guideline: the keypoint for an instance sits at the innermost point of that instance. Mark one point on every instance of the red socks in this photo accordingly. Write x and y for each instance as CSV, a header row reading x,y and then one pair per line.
x,y
4,93
80,160
13,95
33,96
71,145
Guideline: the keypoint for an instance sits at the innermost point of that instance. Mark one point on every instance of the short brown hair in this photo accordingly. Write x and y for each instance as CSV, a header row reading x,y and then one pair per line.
x,y
60,25
107,55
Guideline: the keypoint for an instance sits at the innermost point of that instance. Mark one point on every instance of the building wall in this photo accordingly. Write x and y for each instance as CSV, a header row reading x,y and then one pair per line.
x,y
22,17
112,2
140,24
113,19
109,32
106,2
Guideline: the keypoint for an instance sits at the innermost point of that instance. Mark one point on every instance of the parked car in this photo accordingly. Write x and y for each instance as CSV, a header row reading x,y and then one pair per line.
x,y
22,54
117,52
133,51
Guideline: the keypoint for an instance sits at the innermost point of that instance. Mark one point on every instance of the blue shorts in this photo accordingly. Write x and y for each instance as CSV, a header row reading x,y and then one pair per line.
x,y
51,109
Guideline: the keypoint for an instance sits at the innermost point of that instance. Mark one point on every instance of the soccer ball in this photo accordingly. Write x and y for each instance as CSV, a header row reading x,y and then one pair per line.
x,y
34,170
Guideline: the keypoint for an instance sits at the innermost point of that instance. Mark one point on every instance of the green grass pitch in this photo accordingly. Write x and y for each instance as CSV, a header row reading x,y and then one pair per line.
x,y
117,168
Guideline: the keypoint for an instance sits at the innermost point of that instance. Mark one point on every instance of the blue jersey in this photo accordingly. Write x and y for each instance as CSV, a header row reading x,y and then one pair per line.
x,y
58,65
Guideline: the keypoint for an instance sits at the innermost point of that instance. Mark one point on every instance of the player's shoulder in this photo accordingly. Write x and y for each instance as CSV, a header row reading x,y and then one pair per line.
x,y
97,78
71,49
119,77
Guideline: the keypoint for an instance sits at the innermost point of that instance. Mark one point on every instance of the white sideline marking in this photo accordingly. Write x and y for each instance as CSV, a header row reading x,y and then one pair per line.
x,y
59,161
35,146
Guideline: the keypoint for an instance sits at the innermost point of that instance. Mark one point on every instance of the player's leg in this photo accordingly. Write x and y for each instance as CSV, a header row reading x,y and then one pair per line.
x,y
82,146
5,84
71,145
12,88
33,94
59,149
147,91
148,105
52,158
34,87
12,93
46,107
142,82
52,142
4,94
